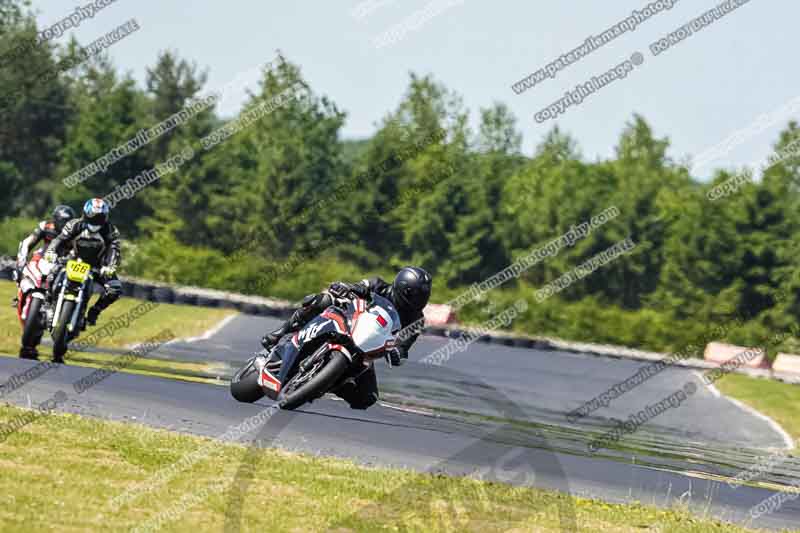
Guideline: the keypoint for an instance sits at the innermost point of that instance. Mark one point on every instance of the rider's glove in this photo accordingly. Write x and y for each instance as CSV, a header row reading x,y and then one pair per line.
x,y
16,274
397,356
360,290
107,271
343,290
339,289
50,256
268,341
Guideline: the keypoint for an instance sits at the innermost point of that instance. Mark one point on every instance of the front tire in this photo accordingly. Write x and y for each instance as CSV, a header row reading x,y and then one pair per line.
x,y
60,333
319,384
244,384
32,330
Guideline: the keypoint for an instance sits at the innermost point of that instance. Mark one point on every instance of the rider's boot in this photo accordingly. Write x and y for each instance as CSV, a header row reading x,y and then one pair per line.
x,y
308,309
112,290
271,339
347,387
28,353
91,317
16,277
15,299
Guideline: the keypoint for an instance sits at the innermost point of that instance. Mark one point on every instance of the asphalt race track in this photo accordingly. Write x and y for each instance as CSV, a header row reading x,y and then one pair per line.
x,y
490,411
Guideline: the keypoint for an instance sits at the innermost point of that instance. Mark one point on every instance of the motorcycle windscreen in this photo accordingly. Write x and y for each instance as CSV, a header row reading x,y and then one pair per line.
x,y
389,308
372,331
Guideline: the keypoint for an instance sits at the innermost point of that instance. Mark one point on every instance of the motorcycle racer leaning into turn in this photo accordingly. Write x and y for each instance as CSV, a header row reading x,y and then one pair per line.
x,y
94,237
45,232
409,293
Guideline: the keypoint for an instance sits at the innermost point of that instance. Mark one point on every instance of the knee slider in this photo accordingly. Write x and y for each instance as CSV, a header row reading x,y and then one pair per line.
x,y
364,402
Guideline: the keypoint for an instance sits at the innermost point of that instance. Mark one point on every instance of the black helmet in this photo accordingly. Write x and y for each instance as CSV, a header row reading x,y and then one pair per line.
x,y
61,215
411,288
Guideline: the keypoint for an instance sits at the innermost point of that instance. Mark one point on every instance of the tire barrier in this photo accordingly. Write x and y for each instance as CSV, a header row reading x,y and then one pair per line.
x,y
127,289
7,265
439,314
185,299
721,353
164,295
788,364
143,291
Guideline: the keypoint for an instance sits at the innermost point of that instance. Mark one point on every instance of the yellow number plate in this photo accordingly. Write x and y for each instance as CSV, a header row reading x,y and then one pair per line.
x,y
77,272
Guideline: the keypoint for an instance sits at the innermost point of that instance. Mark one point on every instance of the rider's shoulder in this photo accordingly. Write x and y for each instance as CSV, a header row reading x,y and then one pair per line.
x,y
70,225
111,230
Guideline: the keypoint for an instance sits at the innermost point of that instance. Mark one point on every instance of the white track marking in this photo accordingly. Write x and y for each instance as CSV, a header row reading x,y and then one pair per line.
x,y
710,386
423,412
788,442
210,333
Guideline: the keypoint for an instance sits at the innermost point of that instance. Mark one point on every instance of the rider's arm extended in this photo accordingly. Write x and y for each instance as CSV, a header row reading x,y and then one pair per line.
x,y
409,335
70,231
114,254
339,289
29,243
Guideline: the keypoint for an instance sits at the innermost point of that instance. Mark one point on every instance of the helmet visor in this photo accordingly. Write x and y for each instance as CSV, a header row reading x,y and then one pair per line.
x,y
96,219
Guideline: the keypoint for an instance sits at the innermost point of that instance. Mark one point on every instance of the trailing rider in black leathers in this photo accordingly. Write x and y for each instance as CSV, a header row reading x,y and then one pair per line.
x,y
409,293
44,233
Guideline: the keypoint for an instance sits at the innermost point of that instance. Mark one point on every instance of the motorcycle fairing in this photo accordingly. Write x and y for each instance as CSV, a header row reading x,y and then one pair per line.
x,y
30,286
373,327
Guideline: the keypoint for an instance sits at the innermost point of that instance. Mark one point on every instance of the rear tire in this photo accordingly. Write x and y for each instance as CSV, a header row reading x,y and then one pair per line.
x,y
244,384
60,333
324,381
32,330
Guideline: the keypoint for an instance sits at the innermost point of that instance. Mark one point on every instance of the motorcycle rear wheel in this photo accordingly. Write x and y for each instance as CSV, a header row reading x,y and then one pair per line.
x,y
320,383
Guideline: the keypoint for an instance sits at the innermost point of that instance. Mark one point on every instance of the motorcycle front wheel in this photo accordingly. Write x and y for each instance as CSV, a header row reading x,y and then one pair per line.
x,y
32,330
60,332
310,385
244,384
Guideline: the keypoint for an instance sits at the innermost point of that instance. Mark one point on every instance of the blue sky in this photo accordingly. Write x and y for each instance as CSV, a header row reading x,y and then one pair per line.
x,y
699,92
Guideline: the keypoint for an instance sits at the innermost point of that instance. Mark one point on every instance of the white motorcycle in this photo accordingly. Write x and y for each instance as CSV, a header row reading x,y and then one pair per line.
x,y
342,342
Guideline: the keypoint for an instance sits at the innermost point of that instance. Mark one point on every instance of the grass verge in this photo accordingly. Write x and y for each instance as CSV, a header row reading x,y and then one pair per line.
x,y
779,401
60,475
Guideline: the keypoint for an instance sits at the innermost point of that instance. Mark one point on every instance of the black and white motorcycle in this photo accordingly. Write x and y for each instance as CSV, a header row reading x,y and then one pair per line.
x,y
341,342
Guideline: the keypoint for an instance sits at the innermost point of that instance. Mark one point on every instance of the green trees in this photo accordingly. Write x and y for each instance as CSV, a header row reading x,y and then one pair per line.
x,y
34,112
297,160
109,111
476,249
178,201
281,191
